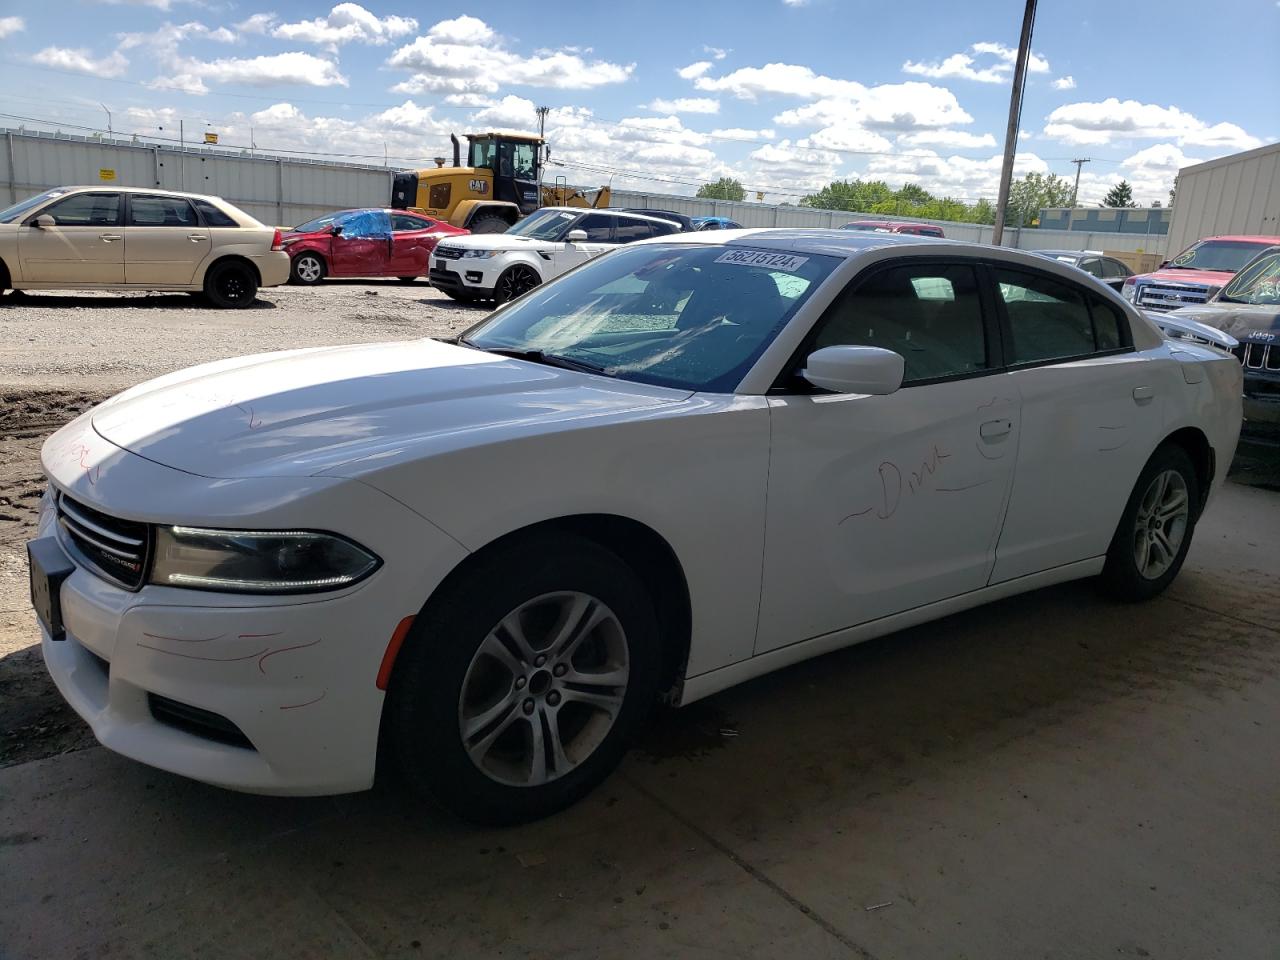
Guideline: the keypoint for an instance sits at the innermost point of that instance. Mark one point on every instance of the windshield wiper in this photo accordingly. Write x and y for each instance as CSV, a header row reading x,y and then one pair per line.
x,y
549,359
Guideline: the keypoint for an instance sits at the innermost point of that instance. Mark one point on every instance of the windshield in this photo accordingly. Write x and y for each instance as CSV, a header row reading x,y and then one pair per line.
x,y
544,225
319,223
1227,256
690,317
10,214
481,154
1258,283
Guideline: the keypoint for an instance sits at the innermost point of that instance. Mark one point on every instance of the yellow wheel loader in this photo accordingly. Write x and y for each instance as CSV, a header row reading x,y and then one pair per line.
x,y
501,183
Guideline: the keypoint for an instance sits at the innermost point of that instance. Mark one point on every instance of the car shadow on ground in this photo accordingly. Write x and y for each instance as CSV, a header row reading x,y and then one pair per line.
x,y
123,300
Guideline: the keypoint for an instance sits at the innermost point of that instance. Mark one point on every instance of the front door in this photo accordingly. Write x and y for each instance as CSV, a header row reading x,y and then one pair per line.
x,y
85,245
878,504
1091,415
363,247
599,228
164,241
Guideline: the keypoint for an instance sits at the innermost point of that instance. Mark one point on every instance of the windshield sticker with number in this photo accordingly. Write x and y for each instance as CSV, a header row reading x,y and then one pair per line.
x,y
759,258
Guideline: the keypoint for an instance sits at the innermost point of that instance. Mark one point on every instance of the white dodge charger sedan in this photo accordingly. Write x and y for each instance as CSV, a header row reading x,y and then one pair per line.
x,y
691,461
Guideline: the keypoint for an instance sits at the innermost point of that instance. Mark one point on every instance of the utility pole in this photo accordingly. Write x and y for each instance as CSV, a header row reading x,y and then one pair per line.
x,y
110,132
1015,118
1075,191
182,155
542,149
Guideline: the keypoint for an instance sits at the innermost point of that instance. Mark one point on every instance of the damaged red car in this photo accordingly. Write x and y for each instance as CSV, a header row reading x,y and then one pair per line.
x,y
364,243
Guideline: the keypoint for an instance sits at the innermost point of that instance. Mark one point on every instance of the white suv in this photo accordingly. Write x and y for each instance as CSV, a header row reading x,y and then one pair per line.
x,y
502,266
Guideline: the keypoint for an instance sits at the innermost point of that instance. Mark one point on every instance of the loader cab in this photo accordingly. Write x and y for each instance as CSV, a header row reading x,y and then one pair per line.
x,y
514,162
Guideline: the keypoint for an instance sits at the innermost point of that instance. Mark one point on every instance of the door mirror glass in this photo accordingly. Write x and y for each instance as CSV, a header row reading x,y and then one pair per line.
x,y
44,221
577,236
851,369
336,230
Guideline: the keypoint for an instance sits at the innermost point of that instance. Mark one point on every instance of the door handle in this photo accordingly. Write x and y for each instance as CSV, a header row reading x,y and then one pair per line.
x,y
194,237
995,429
109,237
1143,395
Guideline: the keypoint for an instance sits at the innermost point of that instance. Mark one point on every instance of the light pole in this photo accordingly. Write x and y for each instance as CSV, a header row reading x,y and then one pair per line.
x,y
1015,118
110,132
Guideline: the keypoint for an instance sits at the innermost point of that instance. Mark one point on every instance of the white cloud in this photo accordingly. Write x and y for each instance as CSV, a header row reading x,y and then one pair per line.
x,y
717,53
1064,83
347,23
11,25
954,176
685,105
744,133
302,69
154,4
79,60
694,70
510,112
848,139
1096,124
894,107
964,66
787,79
793,166
947,139
464,55
467,100
258,23
796,3
179,82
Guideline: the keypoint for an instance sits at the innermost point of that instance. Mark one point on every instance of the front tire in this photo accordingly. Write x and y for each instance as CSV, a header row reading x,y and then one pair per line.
x,y
515,282
489,223
307,269
231,286
1155,531
521,684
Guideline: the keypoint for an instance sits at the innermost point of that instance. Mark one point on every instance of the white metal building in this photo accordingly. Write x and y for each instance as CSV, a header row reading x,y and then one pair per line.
x,y
1239,194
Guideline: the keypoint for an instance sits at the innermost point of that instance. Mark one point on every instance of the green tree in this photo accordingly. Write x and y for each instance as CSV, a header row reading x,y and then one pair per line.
x,y
857,196
1032,193
726,188
1121,195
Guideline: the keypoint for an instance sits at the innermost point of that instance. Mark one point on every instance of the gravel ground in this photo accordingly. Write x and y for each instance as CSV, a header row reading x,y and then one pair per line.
x,y
62,352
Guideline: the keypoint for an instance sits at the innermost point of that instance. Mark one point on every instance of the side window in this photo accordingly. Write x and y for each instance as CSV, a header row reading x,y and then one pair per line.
x,y
664,229
930,313
1114,270
524,161
1092,266
599,227
214,216
1048,318
631,230
403,223
1110,330
146,210
87,210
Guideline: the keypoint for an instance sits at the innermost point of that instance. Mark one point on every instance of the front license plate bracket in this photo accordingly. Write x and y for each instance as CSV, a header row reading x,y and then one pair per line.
x,y
50,566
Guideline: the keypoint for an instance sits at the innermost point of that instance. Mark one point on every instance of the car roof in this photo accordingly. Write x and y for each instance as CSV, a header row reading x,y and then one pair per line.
x,y
1245,238
612,213
836,242
154,191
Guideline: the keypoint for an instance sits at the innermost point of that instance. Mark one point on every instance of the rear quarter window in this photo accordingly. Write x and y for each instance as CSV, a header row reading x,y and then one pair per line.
x,y
213,215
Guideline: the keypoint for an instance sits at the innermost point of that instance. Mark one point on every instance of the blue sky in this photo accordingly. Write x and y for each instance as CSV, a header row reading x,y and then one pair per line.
x,y
783,95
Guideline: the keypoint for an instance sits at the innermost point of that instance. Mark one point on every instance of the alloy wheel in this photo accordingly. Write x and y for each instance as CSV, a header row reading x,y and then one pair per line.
x,y
515,282
1161,524
309,269
544,689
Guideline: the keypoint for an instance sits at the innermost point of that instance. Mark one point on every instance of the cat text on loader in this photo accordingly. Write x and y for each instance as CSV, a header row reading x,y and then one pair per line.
x,y
501,183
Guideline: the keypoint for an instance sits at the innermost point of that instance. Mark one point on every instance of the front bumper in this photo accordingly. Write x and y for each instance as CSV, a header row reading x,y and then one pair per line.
x,y
475,277
296,676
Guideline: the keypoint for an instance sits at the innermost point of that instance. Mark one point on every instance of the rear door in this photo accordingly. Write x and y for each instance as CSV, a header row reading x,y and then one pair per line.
x,y
85,245
363,248
411,245
165,242
1091,415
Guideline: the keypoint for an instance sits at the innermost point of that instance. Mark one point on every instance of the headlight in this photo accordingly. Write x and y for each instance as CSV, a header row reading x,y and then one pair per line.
x,y
258,561
478,254
1129,290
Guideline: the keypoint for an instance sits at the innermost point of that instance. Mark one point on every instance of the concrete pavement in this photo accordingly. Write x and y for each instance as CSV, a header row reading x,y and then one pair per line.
x,y
1054,776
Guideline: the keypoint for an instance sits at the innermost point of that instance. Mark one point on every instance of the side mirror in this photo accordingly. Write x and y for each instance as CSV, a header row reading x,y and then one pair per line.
x,y
849,369
44,221
577,236
336,230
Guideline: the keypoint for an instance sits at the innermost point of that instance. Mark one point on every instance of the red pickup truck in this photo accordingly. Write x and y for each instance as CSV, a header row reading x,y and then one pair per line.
x,y
1194,275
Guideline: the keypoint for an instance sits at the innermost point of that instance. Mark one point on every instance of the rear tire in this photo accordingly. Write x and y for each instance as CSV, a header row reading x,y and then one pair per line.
x,y
489,223
1155,530
307,269
523,680
231,285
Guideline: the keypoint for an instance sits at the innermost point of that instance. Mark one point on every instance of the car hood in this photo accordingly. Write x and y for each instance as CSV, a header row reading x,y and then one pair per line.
x,y
1210,278
305,412
499,241
1241,320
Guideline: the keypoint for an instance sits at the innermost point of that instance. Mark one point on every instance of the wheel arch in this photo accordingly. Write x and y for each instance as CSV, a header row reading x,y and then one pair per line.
x,y
1196,444
642,548
232,258
6,277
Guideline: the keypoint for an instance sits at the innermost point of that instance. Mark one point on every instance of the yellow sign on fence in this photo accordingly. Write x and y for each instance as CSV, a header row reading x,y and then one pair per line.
x,y
106,173
210,138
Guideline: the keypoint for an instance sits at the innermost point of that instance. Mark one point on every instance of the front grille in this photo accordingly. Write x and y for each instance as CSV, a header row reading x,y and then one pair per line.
x,y
114,549
1168,296
449,253
196,721
1259,356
